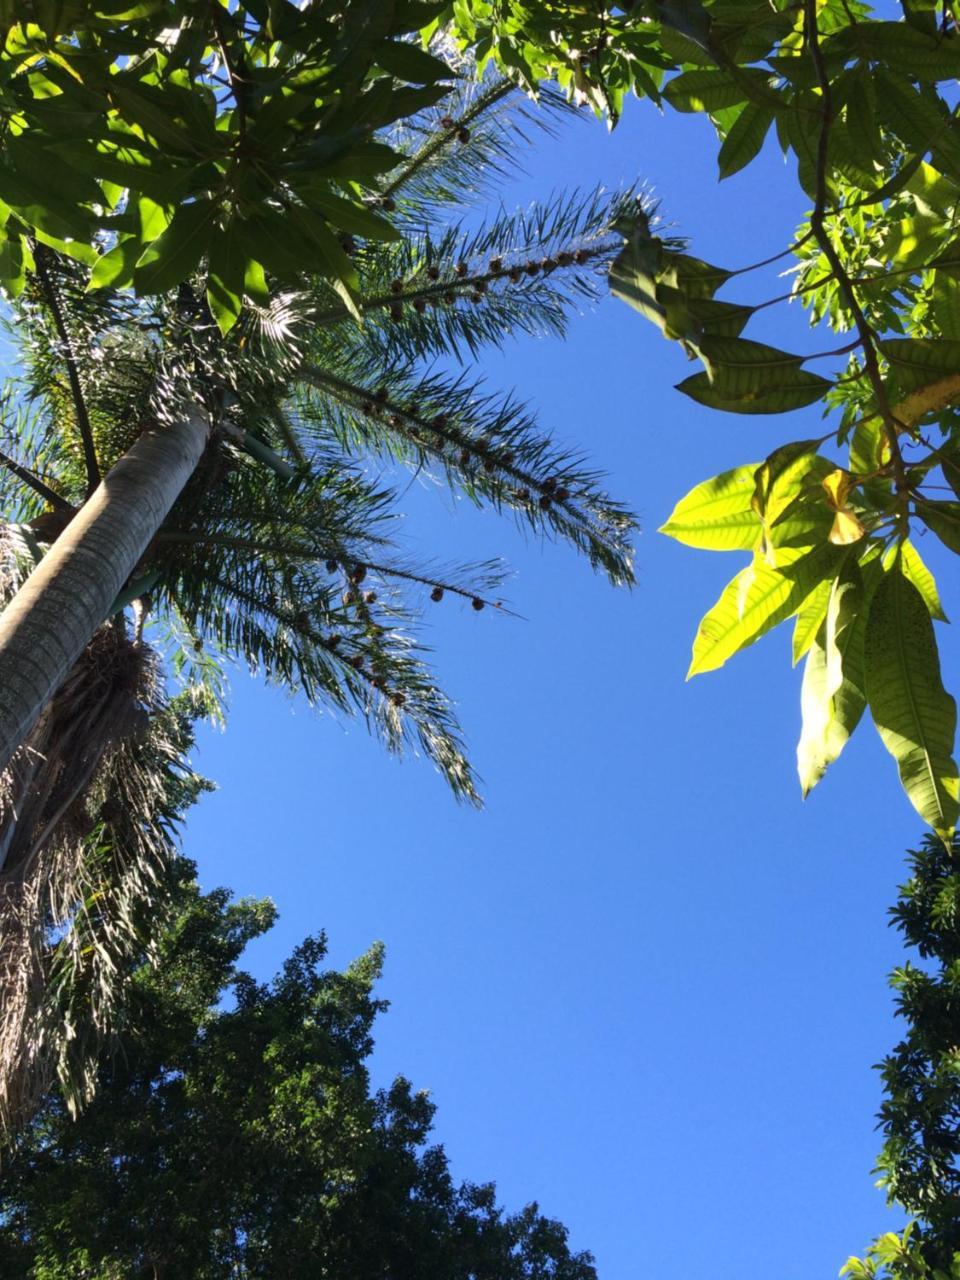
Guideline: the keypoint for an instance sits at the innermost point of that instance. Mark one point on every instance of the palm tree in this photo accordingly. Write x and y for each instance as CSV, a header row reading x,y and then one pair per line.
x,y
237,519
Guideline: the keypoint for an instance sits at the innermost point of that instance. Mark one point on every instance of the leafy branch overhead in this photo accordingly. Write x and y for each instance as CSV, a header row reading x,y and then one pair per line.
x,y
863,107
236,135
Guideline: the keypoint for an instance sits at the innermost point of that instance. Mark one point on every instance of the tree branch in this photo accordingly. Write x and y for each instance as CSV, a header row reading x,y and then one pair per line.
x,y
871,364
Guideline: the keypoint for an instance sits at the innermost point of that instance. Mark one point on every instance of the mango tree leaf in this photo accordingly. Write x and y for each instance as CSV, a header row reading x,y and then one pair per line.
x,y
749,377
928,57
917,362
225,278
115,269
171,257
946,304
758,598
344,214
709,90
913,568
822,736
717,515
744,138
832,696
809,619
914,714
944,519
255,282
407,62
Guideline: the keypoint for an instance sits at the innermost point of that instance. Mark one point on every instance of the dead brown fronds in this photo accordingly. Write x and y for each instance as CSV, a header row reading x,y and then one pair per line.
x,y
83,842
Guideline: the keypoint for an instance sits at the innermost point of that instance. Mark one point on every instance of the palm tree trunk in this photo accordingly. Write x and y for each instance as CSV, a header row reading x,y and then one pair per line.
x,y
54,614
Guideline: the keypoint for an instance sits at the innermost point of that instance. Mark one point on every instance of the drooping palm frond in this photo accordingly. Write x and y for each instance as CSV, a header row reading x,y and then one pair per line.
x,y
88,822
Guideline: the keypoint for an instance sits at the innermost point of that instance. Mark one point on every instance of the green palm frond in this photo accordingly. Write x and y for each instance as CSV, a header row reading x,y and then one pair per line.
x,y
459,150
254,561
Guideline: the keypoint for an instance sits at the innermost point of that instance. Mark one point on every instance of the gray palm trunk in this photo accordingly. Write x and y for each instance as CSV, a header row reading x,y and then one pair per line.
x,y
68,596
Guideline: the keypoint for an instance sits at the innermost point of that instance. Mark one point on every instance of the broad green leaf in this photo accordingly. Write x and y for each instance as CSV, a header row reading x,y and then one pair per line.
x,y
946,304
861,113
708,90
869,449
255,283
913,568
912,242
225,278
115,269
756,600
928,57
749,377
717,515
920,362
780,477
944,519
345,214
79,250
832,695
914,714
744,138
407,62
822,736
810,618
172,256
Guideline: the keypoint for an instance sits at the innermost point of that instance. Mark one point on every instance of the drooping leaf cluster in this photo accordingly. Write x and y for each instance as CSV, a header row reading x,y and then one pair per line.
x,y
863,108
236,1134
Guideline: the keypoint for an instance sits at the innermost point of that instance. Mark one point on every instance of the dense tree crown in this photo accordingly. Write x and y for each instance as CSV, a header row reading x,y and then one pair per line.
x,y
920,1116
237,1135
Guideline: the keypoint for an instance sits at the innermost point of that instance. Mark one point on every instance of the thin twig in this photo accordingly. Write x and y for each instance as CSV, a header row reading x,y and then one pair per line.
x,y
766,262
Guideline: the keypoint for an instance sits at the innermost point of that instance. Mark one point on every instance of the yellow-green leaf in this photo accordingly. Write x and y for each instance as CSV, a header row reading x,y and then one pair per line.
x,y
809,619
921,577
914,714
717,514
758,598
822,736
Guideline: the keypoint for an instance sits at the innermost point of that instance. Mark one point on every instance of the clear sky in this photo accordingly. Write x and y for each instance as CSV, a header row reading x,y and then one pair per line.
x,y
647,984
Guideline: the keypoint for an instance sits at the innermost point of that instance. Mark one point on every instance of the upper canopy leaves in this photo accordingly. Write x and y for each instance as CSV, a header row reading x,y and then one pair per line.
x,y
236,120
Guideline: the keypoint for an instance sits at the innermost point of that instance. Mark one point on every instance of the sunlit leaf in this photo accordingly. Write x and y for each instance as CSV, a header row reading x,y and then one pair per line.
x,y
756,600
914,714
717,515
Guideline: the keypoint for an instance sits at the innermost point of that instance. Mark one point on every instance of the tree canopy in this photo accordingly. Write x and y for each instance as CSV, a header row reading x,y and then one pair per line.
x,y
237,142
236,1133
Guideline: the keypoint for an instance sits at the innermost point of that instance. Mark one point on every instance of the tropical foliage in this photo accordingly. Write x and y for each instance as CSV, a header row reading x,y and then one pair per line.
x,y
863,106
233,136
918,1163
236,1134
281,552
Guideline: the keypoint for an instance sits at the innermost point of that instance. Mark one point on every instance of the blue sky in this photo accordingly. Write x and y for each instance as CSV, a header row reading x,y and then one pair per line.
x,y
646,985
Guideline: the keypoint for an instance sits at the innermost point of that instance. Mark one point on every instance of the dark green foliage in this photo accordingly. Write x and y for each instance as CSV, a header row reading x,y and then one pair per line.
x,y
235,1134
921,1112
920,1115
